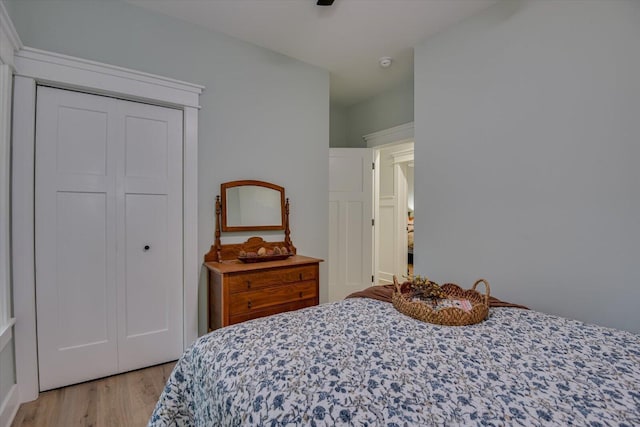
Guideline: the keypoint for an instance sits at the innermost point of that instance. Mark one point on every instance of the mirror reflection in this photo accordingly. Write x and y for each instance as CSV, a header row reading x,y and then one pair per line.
x,y
252,205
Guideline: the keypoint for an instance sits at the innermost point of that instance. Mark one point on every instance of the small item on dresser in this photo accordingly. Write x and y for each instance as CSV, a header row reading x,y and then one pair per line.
x,y
262,251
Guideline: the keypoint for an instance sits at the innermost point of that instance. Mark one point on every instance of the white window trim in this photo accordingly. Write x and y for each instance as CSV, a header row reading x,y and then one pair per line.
x,y
5,333
5,191
9,42
36,66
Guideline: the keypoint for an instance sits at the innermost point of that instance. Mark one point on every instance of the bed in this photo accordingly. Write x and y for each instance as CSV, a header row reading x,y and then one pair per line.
x,y
360,362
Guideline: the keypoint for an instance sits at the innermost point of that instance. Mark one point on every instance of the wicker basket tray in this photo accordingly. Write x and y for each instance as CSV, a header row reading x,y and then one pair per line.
x,y
449,316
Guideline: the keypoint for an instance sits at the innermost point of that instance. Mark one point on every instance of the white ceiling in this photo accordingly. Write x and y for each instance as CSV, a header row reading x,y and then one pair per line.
x,y
347,38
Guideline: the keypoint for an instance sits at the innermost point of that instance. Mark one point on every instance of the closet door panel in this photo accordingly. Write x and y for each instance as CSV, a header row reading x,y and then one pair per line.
x,y
147,284
75,238
81,271
82,141
150,206
146,148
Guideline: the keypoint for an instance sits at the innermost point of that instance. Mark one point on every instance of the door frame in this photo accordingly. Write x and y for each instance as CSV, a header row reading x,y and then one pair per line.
x,y
401,160
37,67
396,136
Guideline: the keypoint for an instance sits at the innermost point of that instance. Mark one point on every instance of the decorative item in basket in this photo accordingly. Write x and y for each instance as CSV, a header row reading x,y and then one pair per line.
x,y
448,304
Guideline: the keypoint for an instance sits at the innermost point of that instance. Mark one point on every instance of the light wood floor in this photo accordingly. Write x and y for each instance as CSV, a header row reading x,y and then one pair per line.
x,y
118,401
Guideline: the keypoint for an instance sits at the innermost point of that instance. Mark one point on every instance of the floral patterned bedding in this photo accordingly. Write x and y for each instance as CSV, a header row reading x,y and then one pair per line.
x,y
360,362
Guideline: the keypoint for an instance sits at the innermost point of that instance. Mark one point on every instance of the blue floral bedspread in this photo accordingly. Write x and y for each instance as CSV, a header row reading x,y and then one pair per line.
x,y
360,362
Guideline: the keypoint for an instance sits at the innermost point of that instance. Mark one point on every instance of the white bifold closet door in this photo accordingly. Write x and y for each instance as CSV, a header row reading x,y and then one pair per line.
x,y
108,236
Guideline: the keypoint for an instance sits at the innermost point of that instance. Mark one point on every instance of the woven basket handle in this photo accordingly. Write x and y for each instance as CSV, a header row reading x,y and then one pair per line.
x,y
396,284
487,289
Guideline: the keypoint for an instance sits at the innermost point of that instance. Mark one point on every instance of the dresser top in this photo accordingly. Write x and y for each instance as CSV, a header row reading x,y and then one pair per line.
x,y
234,266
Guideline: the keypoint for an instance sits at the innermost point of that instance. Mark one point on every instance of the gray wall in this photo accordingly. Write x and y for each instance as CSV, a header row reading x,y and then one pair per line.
x,y
264,115
527,145
388,109
338,126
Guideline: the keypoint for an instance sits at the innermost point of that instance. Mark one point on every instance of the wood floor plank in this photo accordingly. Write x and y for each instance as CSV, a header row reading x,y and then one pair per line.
x,y
79,402
121,400
40,414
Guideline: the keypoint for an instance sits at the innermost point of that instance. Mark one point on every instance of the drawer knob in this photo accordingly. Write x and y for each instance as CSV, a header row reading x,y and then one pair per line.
x,y
249,304
300,276
248,284
300,294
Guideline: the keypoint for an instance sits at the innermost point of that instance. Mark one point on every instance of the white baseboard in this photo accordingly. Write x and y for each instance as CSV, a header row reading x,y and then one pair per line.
x,y
9,407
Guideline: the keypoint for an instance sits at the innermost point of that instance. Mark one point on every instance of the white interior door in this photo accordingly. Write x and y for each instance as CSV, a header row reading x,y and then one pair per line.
x,y
350,220
108,176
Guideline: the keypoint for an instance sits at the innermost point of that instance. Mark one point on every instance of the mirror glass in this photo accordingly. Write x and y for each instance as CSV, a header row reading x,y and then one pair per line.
x,y
252,205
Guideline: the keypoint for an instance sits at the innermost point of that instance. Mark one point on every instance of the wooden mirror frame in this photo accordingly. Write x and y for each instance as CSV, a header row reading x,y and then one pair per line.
x,y
232,184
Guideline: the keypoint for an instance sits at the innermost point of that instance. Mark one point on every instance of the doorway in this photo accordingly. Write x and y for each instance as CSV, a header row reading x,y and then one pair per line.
x,y
393,206
370,205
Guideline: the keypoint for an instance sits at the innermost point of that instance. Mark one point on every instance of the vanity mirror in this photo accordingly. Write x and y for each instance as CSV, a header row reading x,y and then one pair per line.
x,y
252,206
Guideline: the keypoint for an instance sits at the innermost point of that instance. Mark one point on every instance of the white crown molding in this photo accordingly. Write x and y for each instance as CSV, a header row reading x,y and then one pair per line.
x,y
402,156
9,39
81,73
401,133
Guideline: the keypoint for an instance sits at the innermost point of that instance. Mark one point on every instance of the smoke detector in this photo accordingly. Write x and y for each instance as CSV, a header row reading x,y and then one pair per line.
x,y
385,61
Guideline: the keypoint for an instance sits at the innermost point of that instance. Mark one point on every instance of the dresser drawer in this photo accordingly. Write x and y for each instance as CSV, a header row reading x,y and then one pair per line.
x,y
264,278
260,299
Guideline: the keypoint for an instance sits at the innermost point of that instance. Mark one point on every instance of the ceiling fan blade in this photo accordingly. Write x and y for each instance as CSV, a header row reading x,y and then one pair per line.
x,y
325,2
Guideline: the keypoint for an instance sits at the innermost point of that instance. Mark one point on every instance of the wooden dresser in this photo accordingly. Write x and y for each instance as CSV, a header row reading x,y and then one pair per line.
x,y
240,292
273,279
